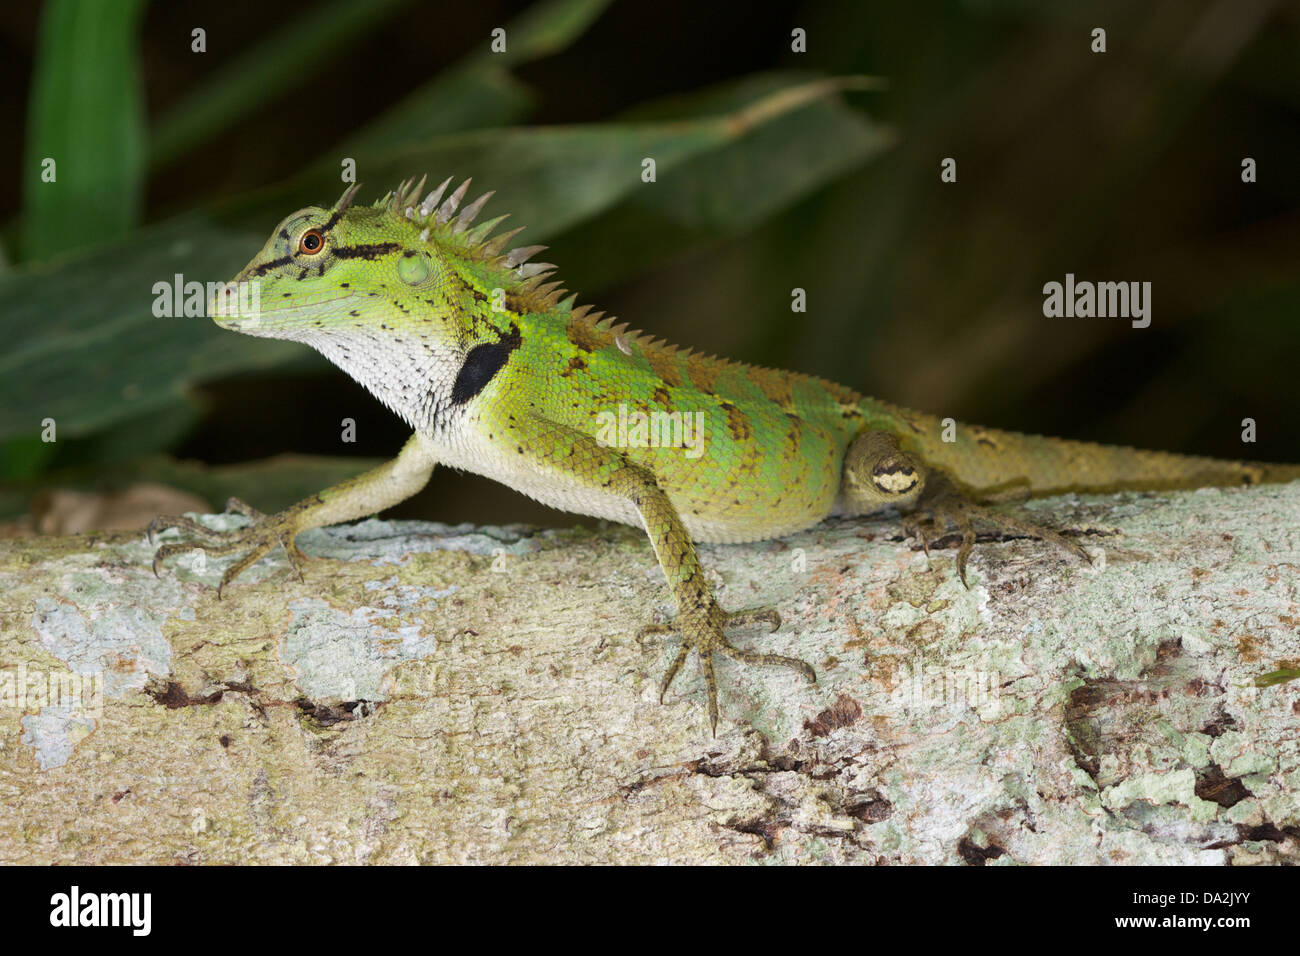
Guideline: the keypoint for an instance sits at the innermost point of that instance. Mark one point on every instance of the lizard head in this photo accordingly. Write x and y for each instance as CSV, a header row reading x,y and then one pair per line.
x,y
402,295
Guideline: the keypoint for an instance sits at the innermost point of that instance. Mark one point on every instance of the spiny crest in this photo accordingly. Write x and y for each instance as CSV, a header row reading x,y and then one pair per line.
x,y
449,223
598,330
532,288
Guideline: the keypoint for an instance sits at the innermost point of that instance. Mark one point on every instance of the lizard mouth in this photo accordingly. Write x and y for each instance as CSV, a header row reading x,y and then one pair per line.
x,y
229,308
237,306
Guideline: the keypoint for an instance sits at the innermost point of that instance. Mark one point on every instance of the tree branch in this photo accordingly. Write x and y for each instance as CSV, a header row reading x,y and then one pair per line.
x,y
440,694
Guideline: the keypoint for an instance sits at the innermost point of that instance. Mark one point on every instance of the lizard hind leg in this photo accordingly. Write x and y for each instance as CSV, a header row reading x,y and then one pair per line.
x,y
706,637
574,458
555,457
944,505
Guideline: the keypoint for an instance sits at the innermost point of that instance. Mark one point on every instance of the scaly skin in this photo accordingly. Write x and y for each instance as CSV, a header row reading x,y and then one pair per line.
x,y
497,374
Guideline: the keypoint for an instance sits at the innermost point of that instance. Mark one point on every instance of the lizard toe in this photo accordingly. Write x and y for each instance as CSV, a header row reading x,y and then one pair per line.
x,y
704,634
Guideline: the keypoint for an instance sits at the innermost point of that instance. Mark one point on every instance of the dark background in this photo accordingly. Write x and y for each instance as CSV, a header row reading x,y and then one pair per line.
x,y
1118,166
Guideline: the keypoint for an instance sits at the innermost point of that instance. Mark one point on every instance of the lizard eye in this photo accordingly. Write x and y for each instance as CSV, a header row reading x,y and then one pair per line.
x,y
311,242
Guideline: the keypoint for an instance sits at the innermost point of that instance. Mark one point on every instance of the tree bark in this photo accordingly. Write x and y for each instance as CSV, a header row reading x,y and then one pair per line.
x,y
441,694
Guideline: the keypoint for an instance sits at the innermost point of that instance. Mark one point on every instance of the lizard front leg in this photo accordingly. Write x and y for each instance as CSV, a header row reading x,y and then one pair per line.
x,y
572,457
367,494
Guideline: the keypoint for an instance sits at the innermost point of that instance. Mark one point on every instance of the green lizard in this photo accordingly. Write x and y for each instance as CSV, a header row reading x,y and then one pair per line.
x,y
498,373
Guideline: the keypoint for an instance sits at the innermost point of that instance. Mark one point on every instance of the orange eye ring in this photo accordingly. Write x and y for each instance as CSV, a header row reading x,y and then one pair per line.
x,y
311,242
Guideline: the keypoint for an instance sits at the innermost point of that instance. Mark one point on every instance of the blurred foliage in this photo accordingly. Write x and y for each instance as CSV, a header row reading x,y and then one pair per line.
x,y
1120,166
88,124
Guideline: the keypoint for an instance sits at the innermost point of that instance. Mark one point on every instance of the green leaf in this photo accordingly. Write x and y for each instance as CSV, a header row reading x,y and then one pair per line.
x,y
85,127
479,91
84,345
275,64
728,190
24,456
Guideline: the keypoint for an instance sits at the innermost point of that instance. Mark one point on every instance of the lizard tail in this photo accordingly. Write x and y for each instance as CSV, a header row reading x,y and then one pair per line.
x,y
986,460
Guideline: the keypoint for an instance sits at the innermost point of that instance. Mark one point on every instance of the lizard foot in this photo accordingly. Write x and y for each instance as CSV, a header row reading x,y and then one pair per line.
x,y
946,506
702,631
258,539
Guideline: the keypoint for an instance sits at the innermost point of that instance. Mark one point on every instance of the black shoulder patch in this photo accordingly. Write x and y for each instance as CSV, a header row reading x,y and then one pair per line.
x,y
481,365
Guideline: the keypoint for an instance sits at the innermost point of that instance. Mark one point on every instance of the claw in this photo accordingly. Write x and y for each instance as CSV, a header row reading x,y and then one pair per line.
x,y
159,523
673,668
947,507
963,552
711,689
703,633
237,506
256,540
296,557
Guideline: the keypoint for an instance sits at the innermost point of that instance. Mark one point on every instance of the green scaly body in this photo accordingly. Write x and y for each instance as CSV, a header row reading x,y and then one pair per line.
x,y
499,374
